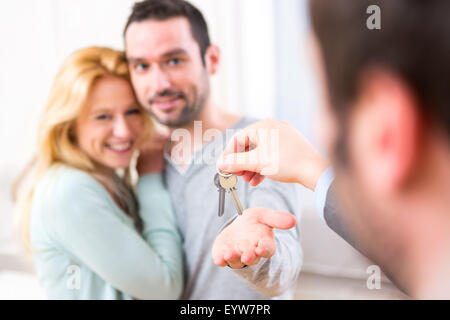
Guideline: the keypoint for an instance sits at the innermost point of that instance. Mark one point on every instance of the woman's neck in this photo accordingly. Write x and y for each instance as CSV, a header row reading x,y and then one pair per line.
x,y
104,171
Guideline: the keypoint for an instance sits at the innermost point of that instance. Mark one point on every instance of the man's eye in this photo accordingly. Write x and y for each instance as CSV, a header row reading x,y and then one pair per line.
x,y
141,67
174,62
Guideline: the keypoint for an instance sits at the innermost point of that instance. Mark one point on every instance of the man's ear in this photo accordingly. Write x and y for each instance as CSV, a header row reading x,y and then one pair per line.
x,y
212,59
385,132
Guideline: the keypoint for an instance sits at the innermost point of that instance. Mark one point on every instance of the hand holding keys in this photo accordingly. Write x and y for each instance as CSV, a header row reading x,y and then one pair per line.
x,y
227,183
250,236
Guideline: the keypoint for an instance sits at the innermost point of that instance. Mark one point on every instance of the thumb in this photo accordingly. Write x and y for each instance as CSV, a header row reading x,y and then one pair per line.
x,y
275,219
163,134
241,161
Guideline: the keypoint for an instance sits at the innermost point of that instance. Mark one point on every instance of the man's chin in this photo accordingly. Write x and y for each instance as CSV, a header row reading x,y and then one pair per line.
x,y
173,120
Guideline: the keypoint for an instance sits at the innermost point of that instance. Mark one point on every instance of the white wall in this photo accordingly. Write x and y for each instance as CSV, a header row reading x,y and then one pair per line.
x,y
244,30
38,35
265,72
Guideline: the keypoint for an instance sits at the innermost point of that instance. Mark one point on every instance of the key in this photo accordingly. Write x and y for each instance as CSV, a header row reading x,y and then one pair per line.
x,y
229,182
222,192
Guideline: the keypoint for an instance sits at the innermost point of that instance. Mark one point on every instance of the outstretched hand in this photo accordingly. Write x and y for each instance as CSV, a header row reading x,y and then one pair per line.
x,y
273,149
250,237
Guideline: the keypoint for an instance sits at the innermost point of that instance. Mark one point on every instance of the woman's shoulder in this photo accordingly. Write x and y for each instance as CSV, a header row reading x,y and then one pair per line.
x,y
66,178
62,198
62,184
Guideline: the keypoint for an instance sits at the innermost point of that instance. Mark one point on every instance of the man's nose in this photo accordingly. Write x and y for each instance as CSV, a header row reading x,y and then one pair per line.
x,y
159,80
121,128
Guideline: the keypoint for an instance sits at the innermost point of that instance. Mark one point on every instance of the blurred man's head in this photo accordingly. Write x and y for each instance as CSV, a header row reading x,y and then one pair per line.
x,y
388,94
170,58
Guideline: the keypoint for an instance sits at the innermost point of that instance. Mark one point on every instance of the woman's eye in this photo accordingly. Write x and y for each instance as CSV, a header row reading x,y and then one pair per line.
x,y
102,117
133,111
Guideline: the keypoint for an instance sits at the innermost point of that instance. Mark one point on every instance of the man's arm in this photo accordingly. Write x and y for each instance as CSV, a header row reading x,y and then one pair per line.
x,y
327,208
249,155
333,217
273,270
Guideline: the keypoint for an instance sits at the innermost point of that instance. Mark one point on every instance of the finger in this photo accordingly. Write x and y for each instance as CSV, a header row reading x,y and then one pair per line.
x,y
274,219
242,142
233,259
250,258
256,180
239,142
219,261
161,129
266,247
242,161
218,257
247,249
248,176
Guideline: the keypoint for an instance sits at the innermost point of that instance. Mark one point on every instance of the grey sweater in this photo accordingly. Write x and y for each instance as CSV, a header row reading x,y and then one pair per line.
x,y
196,198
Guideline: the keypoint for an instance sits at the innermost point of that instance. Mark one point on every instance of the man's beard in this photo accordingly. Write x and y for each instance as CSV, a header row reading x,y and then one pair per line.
x,y
190,110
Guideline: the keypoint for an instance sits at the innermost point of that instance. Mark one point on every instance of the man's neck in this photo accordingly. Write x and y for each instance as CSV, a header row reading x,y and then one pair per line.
x,y
212,117
428,212
212,120
431,272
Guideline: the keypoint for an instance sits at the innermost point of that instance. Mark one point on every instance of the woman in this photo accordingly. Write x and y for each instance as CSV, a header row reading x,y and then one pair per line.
x,y
88,237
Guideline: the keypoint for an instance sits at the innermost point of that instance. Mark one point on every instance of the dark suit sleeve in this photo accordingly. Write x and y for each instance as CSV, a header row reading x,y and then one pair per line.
x,y
334,216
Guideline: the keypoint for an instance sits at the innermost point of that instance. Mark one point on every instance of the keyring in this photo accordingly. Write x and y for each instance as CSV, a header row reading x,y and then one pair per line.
x,y
224,174
245,266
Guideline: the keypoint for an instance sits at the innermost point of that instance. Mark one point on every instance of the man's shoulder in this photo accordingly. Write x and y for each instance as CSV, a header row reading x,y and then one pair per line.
x,y
245,121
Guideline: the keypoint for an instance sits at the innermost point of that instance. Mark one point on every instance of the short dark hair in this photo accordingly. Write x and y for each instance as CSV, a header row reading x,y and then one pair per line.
x,y
166,9
413,43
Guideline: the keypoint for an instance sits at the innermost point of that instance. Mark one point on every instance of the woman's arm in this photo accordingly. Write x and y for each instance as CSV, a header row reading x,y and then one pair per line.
x,y
144,267
159,223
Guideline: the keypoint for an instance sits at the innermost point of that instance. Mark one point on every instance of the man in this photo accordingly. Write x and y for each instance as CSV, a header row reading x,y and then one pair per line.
x,y
171,61
388,120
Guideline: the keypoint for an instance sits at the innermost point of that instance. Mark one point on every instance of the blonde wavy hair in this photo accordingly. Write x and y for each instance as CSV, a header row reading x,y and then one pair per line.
x,y
56,134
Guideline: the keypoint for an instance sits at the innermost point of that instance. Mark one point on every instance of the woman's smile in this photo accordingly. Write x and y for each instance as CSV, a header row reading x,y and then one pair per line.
x,y
111,124
120,148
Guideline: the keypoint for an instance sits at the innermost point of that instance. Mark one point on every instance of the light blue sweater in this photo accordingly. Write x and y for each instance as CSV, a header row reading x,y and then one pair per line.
x,y
86,247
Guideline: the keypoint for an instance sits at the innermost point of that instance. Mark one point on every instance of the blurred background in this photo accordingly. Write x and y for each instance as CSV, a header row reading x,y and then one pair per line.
x,y
266,72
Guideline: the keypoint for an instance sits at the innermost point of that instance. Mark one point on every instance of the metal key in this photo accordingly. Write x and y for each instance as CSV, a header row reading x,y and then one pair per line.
x,y
222,192
229,182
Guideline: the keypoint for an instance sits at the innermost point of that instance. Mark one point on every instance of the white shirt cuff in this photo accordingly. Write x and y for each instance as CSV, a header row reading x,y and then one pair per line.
x,y
320,195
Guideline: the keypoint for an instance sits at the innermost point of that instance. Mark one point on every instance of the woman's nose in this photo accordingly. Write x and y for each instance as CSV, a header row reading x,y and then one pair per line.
x,y
121,128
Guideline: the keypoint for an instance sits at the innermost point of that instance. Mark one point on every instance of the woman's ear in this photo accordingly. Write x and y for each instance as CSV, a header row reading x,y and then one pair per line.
x,y
212,59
